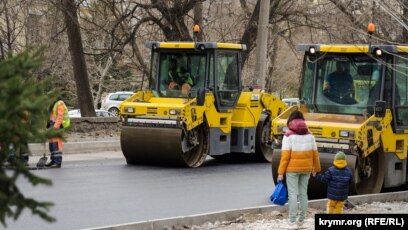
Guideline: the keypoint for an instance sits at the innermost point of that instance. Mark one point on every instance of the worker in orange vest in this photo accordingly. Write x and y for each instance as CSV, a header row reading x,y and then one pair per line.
x,y
58,119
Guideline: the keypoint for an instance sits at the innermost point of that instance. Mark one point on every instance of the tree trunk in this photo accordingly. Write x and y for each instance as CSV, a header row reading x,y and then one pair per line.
x,y
272,52
249,36
261,44
198,19
78,59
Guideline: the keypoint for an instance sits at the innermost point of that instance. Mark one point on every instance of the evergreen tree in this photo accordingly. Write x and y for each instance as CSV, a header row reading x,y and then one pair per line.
x,y
23,116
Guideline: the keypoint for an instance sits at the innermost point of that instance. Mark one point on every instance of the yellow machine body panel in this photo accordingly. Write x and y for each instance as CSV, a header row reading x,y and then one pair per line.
x,y
195,45
344,48
248,110
182,109
247,113
155,107
338,130
394,143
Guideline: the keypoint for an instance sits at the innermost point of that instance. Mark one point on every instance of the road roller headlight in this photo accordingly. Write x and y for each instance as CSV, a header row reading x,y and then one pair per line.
x,y
129,110
174,112
346,133
282,129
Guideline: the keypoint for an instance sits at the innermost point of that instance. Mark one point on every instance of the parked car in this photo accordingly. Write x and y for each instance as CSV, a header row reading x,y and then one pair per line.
x,y
99,113
291,101
112,101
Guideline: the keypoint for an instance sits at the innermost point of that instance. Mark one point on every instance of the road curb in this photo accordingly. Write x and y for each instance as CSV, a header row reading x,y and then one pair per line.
x,y
75,147
229,215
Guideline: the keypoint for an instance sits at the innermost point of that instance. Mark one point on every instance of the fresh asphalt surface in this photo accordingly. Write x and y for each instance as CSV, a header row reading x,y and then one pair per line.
x,y
104,191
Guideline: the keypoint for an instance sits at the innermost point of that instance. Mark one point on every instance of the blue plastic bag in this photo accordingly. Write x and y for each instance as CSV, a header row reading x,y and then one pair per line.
x,y
280,194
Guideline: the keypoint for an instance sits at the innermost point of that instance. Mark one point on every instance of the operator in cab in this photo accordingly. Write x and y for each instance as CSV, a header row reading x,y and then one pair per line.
x,y
339,85
179,78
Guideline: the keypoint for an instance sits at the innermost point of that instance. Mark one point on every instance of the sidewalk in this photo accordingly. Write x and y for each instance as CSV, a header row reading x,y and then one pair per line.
x,y
80,146
82,156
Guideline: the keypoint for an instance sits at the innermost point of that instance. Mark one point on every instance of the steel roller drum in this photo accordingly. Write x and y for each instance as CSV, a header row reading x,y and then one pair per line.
x,y
150,145
316,189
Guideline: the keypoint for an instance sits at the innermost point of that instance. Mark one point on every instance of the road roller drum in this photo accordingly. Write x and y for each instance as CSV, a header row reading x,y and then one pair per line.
x,y
161,146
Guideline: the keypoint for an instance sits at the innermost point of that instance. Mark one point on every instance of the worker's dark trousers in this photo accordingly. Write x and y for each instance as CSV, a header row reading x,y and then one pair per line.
x,y
23,154
55,146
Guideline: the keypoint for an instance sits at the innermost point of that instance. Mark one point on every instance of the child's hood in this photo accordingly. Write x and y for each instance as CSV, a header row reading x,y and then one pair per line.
x,y
340,163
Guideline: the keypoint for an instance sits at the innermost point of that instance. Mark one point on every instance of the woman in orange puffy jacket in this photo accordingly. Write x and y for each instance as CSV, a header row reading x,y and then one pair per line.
x,y
299,158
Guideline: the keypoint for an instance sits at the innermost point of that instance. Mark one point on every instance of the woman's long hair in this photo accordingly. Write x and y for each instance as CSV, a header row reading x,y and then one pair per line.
x,y
295,115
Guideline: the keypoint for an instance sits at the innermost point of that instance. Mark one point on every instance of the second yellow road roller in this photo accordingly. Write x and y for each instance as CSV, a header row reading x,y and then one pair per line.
x,y
355,99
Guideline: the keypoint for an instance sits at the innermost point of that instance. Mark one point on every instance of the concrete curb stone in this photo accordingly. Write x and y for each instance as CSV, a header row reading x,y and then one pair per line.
x,y
76,146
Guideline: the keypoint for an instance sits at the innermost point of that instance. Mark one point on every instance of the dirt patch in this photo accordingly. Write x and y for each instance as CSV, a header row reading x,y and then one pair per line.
x,y
94,128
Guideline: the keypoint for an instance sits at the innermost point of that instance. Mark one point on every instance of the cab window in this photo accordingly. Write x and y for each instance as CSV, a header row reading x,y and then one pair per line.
x,y
401,91
346,84
181,74
308,79
228,78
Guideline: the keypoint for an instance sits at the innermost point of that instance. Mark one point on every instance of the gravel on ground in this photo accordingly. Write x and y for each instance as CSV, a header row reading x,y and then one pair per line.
x,y
276,220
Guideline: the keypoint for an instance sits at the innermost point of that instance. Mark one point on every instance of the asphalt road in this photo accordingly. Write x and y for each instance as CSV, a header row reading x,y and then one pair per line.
x,y
99,192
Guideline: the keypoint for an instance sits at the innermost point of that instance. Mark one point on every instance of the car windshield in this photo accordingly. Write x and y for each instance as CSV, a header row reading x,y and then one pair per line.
x,y
99,113
102,113
119,96
291,101
179,75
343,84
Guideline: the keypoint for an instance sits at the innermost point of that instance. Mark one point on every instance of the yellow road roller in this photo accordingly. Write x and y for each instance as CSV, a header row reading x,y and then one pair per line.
x,y
363,112
196,107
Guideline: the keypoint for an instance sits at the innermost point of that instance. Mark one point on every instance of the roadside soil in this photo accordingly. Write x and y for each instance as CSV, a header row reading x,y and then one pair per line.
x,y
277,220
84,129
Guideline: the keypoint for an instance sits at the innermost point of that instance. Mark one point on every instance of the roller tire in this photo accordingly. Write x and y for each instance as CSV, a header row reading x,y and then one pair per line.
x,y
196,157
373,183
263,152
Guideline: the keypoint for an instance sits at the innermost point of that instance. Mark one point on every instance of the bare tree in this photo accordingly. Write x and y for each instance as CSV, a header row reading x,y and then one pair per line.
x,y
118,29
12,25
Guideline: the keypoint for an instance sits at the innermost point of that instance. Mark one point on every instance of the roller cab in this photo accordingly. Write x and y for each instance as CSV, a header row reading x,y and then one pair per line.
x,y
365,115
195,107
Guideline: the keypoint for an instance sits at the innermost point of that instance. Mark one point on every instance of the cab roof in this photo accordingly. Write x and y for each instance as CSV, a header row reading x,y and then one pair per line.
x,y
194,45
351,48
